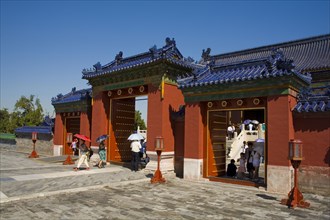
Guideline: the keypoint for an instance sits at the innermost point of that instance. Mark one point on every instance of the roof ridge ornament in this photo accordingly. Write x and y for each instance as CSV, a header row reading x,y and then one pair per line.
x,y
206,54
153,51
278,61
170,42
119,57
97,66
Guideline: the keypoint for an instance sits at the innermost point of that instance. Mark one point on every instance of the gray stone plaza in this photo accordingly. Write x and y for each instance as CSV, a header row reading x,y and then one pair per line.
x,y
40,189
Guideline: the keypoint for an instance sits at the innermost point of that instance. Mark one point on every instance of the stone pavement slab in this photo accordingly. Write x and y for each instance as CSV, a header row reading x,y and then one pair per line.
x,y
176,199
52,191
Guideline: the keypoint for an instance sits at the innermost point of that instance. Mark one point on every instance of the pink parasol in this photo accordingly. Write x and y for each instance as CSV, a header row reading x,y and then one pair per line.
x,y
82,137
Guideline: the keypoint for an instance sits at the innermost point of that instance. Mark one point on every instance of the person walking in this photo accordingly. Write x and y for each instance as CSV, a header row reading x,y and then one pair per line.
x,y
249,160
135,148
102,161
230,132
74,146
256,164
241,169
83,157
244,147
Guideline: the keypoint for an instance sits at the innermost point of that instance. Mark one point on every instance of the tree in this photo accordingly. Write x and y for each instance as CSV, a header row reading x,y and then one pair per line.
x,y
27,112
139,121
4,121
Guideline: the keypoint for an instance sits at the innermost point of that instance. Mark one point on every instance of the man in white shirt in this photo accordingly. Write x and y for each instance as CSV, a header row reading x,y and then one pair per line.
x,y
230,132
244,147
250,127
135,148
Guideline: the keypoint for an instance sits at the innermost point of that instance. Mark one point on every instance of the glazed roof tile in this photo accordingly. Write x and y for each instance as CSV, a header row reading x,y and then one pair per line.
x,y
73,96
313,100
169,53
275,66
309,54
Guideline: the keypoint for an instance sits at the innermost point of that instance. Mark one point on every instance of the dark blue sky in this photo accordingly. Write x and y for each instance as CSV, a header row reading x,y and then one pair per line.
x,y
46,44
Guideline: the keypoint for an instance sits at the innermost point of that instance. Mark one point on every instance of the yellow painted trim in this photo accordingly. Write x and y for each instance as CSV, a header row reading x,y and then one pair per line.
x,y
163,87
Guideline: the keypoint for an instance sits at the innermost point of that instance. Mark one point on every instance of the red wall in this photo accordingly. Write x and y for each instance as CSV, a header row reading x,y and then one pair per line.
x,y
315,135
58,132
85,124
193,140
159,114
155,115
279,128
100,116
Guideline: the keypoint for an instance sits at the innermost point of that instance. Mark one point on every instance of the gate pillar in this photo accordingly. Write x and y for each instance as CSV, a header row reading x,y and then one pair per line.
x,y
58,135
279,132
161,103
193,142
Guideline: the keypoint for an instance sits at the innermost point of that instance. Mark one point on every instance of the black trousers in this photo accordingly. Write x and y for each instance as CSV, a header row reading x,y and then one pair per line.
x,y
135,161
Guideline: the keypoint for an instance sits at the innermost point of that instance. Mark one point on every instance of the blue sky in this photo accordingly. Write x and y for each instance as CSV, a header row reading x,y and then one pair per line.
x,y
46,44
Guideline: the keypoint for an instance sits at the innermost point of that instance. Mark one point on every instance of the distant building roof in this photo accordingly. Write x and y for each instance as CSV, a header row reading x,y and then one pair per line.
x,y
38,129
309,54
45,127
73,96
168,53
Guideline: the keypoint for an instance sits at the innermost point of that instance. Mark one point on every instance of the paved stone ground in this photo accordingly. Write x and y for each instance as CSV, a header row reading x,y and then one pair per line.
x,y
31,189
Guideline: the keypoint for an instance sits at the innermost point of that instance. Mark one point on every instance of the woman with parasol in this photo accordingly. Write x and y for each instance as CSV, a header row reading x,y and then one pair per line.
x,y
83,151
102,160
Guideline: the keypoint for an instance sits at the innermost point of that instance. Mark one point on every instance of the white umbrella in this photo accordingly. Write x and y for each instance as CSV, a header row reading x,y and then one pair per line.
x,y
135,136
260,140
255,122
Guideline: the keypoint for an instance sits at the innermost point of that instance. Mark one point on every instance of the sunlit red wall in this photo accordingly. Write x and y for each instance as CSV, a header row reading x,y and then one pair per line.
x,y
100,114
314,131
279,128
159,114
58,132
194,127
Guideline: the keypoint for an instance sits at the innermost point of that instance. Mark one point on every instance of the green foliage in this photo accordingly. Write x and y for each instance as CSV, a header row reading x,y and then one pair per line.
x,y
4,120
7,136
26,112
139,121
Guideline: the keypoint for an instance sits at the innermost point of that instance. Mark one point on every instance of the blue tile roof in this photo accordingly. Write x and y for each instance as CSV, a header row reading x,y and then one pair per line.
x,y
310,54
38,129
73,96
168,53
313,100
274,66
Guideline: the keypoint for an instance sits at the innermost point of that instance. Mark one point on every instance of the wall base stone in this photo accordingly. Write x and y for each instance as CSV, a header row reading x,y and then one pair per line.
x,y
193,169
166,161
58,150
279,179
314,180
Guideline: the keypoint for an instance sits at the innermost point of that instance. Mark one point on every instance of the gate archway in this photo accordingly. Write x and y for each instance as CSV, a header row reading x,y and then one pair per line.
x,y
122,121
